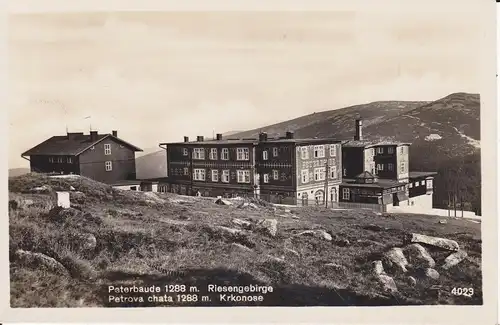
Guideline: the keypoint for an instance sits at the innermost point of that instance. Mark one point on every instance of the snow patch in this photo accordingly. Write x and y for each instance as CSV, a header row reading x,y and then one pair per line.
x,y
473,142
433,137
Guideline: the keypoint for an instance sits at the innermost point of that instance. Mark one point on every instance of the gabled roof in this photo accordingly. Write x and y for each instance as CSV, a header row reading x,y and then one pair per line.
x,y
71,146
365,175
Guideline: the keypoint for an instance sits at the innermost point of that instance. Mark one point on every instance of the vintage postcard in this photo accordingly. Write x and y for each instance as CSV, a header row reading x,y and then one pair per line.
x,y
164,158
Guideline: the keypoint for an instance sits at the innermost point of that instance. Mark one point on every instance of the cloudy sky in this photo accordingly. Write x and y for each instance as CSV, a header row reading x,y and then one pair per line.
x,y
156,77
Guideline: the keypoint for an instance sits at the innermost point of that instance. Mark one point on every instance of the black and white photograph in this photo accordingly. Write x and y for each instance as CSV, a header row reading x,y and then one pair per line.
x,y
164,158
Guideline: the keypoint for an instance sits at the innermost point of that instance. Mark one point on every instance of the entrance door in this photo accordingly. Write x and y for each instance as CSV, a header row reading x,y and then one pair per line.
x,y
395,199
333,195
304,198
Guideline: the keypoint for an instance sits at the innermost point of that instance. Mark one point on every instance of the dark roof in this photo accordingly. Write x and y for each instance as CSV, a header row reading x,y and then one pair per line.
x,y
126,183
255,141
71,146
381,183
372,143
421,174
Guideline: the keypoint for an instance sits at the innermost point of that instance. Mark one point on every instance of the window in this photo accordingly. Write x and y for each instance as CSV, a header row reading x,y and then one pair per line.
x,y
199,174
51,159
225,154
276,175
305,176
59,159
275,152
333,150
242,154
417,184
265,155
390,150
333,172
422,183
198,153
319,151
70,160
429,184
403,167
346,194
109,166
184,151
380,150
304,153
225,176
266,178
215,175
213,154
410,185
107,149
319,174
186,171
380,167
402,150
390,166
243,176
345,172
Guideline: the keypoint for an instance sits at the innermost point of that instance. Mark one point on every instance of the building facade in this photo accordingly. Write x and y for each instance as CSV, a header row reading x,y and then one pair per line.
x,y
376,175
102,157
271,169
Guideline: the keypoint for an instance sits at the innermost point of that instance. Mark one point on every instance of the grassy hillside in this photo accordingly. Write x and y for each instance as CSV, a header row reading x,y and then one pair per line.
x,y
114,237
443,133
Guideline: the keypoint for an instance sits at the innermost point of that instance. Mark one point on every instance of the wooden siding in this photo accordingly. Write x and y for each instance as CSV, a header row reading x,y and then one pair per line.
x,y
352,161
42,164
92,162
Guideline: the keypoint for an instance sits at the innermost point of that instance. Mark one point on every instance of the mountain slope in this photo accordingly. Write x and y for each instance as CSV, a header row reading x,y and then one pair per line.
x,y
13,172
152,165
336,122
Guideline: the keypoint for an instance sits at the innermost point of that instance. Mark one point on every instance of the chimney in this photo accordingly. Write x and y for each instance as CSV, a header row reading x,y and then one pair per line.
x,y
219,136
115,133
289,135
186,139
93,135
199,138
262,136
359,130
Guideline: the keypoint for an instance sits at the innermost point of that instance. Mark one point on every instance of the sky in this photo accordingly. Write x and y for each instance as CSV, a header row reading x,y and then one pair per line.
x,y
158,76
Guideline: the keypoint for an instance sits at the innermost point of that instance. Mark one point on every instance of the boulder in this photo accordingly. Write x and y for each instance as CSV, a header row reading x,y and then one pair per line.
x,y
388,283
231,231
39,260
318,233
411,281
240,247
378,267
395,259
242,223
443,222
443,243
431,274
453,259
267,226
222,202
418,255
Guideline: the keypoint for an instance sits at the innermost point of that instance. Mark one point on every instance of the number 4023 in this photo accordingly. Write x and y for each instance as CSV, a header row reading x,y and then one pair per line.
x,y
467,292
